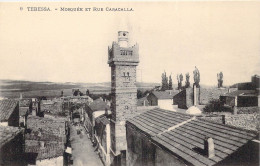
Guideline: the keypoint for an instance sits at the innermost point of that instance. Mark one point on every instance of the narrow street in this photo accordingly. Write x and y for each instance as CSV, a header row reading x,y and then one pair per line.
x,y
83,153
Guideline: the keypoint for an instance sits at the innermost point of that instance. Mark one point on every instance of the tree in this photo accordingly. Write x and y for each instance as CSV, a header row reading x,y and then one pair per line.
x,y
165,84
87,92
170,82
196,77
220,79
180,79
139,94
187,83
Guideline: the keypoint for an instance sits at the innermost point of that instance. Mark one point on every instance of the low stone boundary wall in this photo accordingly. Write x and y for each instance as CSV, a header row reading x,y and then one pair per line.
x,y
245,121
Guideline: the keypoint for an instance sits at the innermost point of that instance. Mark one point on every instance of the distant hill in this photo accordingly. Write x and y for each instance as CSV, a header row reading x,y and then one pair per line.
x,y
13,88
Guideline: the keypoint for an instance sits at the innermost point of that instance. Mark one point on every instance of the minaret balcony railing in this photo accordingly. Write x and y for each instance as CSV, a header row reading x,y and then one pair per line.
x,y
126,52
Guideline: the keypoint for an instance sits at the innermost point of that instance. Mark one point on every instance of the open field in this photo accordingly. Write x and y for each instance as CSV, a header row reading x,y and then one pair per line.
x,y
30,89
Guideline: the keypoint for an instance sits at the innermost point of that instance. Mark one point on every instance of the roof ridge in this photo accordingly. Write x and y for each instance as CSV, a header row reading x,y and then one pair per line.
x,y
175,126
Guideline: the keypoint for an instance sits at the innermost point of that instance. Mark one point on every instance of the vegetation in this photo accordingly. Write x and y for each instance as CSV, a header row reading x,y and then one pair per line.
x,y
180,79
170,83
165,84
104,96
220,79
187,83
141,94
216,105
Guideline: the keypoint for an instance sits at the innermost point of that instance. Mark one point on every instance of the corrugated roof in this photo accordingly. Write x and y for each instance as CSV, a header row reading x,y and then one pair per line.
x,y
7,107
162,94
186,140
7,133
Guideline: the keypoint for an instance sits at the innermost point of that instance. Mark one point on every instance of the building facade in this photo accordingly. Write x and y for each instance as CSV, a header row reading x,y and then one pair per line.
x,y
123,60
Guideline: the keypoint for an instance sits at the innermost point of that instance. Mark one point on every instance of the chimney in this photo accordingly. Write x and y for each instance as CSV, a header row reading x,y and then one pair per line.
x,y
42,144
106,112
195,94
209,147
21,95
223,119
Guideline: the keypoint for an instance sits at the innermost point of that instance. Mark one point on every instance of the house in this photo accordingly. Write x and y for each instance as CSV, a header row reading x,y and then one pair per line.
x,y
247,94
185,98
142,102
9,113
43,148
102,137
163,99
95,109
45,141
162,137
25,108
11,145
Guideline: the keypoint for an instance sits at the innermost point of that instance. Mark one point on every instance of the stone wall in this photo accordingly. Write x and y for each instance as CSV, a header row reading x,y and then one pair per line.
x,y
208,94
140,151
166,159
248,110
246,121
57,161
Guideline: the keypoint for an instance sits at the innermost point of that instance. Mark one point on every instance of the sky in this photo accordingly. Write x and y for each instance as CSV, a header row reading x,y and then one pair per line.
x,y
174,37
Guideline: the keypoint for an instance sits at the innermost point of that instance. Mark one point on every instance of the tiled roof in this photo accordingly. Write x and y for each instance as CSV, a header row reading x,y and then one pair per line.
x,y
6,109
186,139
102,119
157,120
23,111
162,95
98,105
240,92
25,102
50,151
7,133
43,136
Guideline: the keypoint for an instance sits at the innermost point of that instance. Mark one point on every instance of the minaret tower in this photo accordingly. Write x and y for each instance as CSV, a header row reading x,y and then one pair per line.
x,y
123,60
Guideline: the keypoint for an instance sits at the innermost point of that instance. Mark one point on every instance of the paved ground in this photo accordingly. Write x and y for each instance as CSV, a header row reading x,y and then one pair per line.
x,y
83,153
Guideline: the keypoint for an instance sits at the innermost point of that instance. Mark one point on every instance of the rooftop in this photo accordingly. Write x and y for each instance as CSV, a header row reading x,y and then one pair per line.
x,y
7,133
184,135
157,120
241,92
25,102
102,119
6,109
23,111
98,105
162,94
46,152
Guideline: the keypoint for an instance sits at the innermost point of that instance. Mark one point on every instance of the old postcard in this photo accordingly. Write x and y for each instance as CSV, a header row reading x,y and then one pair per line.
x,y
157,83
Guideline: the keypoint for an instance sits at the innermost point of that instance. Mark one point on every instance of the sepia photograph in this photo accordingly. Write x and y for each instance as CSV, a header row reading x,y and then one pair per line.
x,y
129,83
